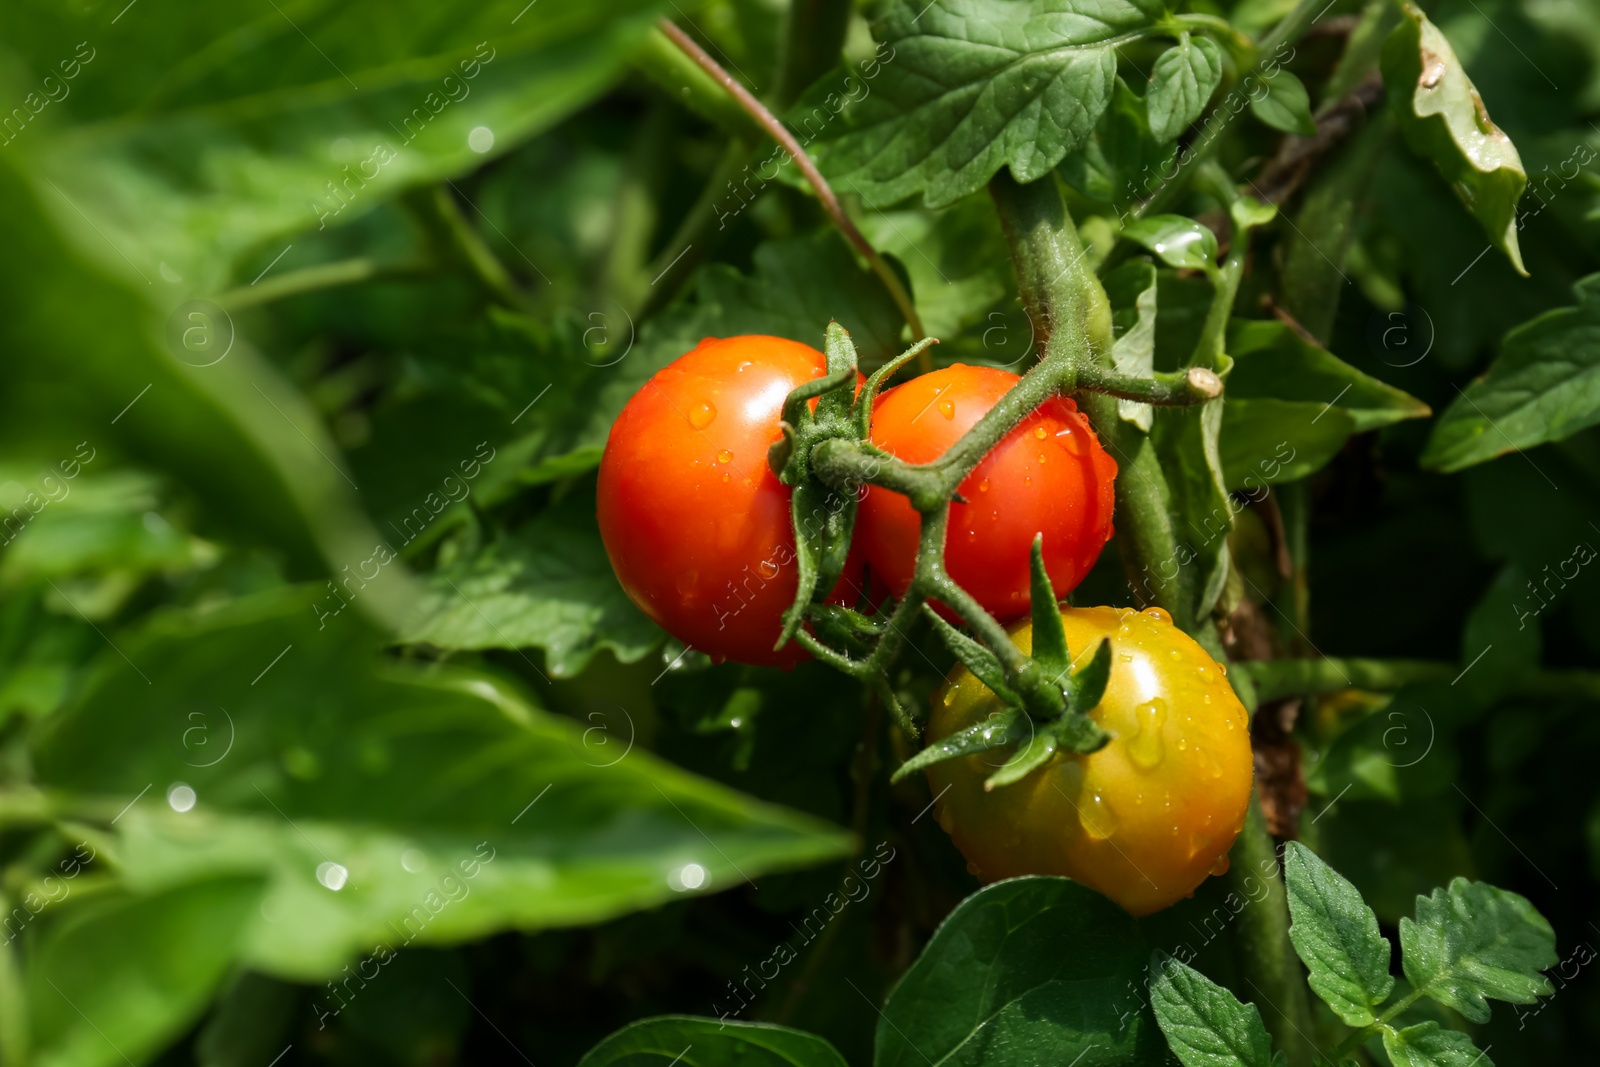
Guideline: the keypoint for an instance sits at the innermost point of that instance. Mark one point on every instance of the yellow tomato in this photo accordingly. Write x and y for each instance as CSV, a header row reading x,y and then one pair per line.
x,y
1147,817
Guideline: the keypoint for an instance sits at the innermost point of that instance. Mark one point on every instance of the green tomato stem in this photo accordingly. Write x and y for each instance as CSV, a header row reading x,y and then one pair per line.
x,y
315,279
819,185
1267,958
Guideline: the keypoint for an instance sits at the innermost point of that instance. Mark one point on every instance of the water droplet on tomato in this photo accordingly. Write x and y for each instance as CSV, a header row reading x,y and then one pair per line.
x,y
727,477
949,697
1204,672
1070,441
1158,614
1124,657
1145,747
1039,432
972,535
1027,481
1098,817
725,456
947,408
1175,654
1221,866
1183,744
983,486
702,414
1041,459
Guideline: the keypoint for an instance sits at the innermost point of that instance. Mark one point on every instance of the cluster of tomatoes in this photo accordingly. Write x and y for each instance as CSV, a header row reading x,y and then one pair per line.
x,y
700,533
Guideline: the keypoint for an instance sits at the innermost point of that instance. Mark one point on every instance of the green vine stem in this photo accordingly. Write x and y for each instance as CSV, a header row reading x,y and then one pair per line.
x,y
825,194
13,1002
1278,678
1268,959
322,276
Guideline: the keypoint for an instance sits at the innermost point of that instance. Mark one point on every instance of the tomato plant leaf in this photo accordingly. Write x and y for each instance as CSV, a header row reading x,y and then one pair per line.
x,y
1088,684
385,805
1337,936
1132,289
966,87
1006,727
698,1042
1181,83
1430,1045
1543,386
1285,105
1471,942
1205,1025
1444,120
547,585
994,985
1177,240
1121,162
89,378
1292,404
121,975
240,135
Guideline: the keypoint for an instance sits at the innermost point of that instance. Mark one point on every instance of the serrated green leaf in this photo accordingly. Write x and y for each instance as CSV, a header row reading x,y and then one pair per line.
x,y
1121,162
340,764
1007,726
1285,105
1430,1045
1178,241
699,1042
1543,386
993,984
1444,120
1471,942
548,585
1337,936
121,975
965,87
1181,83
1205,1025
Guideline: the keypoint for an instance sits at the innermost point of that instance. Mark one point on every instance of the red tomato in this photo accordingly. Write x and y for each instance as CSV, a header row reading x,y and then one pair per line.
x,y
1048,475
697,526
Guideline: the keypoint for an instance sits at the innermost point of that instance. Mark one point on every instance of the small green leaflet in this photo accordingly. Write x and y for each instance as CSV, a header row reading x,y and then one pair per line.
x,y
1184,78
669,1039
1471,942
965,87
1430,1045
1132,290
1336,934
1205,1025
1177,240
1543,386
1285,105
1444,120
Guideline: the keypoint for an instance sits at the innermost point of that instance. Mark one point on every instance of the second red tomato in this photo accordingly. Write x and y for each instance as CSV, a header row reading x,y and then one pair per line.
x,y
1049,475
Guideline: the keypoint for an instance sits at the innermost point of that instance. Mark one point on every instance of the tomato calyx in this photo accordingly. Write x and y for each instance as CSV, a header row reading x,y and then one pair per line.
x,y
821,410
1047,701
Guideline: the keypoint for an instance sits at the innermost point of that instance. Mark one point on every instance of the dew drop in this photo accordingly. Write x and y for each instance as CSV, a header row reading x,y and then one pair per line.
x,y
1204,672
1145,747
725,456
1042,459
1205,698
1070,441
983,486
727,477
1039,432
1158,615
1175,654
947,408
1221,866
1124,657
972,535
702,414
1098,817
949,697
1027,481
1183,744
